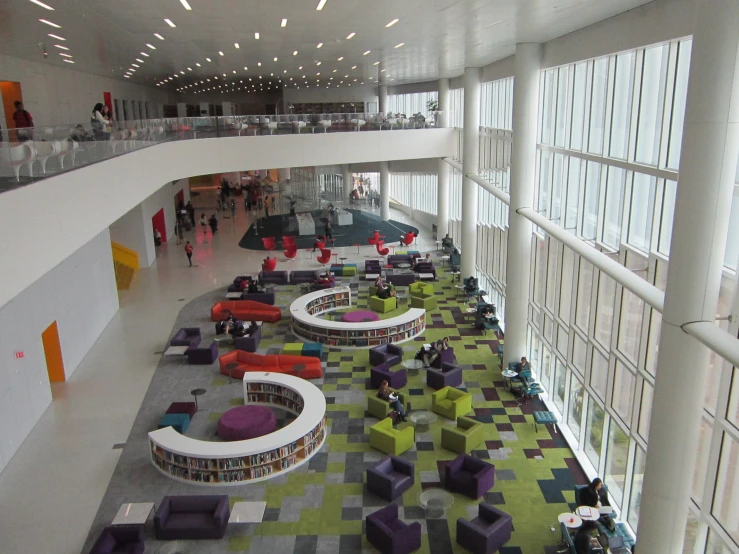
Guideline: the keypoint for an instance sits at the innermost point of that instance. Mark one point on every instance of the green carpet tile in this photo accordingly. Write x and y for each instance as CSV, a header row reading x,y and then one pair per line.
x,y
320,507
364,224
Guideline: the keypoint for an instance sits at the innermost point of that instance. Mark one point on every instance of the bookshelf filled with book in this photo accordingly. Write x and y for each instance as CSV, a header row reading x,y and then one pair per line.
x,y
337,334
231,463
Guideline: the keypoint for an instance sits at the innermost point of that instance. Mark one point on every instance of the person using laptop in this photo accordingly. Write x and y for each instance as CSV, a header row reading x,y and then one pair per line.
x,y
392,399
583,539
595,496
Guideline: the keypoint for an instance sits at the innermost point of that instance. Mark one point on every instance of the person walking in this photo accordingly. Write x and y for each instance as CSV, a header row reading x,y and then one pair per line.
x,y
22,120
266,206
191,212
188,251
204,225
233,208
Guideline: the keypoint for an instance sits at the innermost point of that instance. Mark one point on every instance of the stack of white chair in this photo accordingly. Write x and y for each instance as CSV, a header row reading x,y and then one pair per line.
x,y
358,124
68,147
325,123
297,125
16,156
271,127
46,149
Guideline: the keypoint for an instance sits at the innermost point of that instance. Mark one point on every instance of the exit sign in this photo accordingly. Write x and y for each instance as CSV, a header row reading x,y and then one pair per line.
x,y
19,354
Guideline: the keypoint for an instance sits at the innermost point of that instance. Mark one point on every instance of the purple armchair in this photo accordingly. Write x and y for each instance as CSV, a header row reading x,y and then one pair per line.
x,y
401,279
249,343
390,477
187,336
191,517
263,297
120,538
445,357
303,276
389,353
396,379
203,356
389,534
372,266
448,376
485,534
469,476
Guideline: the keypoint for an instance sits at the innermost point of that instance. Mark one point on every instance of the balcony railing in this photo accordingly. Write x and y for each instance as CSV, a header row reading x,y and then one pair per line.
x,y
27,155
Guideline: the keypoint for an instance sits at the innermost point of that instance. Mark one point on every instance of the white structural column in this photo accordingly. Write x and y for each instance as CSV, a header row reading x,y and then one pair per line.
x,y
470,161
181,109
704,193
384,191
442,195
348,183
382,94
523,177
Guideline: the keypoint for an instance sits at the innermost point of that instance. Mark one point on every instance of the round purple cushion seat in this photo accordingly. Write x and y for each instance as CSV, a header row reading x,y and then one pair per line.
x,y
360,316
246,422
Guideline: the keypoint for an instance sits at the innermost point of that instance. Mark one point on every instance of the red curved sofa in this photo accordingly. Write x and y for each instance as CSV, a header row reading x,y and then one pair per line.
x,y
248,361
245,310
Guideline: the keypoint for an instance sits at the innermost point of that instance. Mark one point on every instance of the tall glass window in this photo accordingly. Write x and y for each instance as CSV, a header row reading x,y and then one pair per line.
x,y
621,106
594,432
611,232
598,106
616,461
651,104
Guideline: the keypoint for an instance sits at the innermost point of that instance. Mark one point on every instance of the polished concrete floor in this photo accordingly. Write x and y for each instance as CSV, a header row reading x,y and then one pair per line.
x,y
50,491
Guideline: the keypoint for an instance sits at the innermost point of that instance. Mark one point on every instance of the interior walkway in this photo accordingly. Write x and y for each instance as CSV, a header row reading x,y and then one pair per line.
x,y
59,475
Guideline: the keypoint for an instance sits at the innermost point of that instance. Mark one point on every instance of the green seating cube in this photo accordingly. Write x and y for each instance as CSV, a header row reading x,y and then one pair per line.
x,y
179,422
451,402
373,291
314,349
424,301
349,271
419,287
464,437
391,441
377,407
377,304
293,348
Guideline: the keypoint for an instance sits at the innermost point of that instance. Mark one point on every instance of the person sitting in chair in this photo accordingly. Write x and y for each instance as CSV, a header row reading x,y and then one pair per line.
x,y
225,325
427,260
489,314
318,243
252,287
471,285
595,496
392,399
325,281
447,242
583,539
238,329
428,354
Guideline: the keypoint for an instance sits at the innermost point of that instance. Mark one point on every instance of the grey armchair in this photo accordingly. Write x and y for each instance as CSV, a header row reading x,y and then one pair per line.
x,y
390,477
448,376
389,353
486,533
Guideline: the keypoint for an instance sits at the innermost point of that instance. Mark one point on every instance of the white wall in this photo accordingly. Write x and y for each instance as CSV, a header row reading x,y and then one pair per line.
x,y
57,95
80,295
81,203
426,86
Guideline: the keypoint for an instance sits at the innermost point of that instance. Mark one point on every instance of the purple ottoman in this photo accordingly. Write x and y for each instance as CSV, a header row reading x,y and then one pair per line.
x,y
360,316
246,422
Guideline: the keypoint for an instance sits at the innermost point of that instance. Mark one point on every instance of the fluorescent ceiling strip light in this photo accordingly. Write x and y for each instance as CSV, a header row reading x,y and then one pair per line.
x,y
185,4
320,5
350,36
57,37
46,7
144,54
50,23
283,23
256,36
61,47
169,22
393,22
160,37
399,45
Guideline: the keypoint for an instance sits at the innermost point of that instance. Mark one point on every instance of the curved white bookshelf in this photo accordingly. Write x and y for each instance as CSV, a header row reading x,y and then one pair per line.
x,y
340,334
233,463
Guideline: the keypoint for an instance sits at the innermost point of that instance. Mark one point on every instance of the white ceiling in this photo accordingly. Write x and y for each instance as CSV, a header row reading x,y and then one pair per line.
x,y
440,37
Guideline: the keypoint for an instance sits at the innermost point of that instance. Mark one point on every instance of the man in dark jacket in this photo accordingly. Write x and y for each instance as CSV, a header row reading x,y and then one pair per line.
x,y
594,495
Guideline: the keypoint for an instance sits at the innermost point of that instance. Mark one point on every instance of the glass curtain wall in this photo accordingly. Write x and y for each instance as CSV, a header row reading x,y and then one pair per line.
x,y
456,108
609,146
418,191
412,103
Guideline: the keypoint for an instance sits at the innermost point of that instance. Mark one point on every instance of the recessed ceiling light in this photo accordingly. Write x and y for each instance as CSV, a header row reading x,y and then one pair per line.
x,y
150,46
134,65
224,74
131,70
354,67
169,22
376,63
246,68
57,37
185,4
393,22
196,63
256,36
346,76
236,45
259,64
350,36
301,67
355,80
234,71
318,63
295,53
318,73
42,5
283,23
271,74
65,55
61,47
320,5
139,60
275,59
160,37
367,52
182,72
220,53
341,58
50,23
303,76
383,70
207,59
144,54
399,45
319,45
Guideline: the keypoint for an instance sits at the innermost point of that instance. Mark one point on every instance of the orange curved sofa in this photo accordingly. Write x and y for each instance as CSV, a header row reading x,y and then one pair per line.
x,y
246,310
248,361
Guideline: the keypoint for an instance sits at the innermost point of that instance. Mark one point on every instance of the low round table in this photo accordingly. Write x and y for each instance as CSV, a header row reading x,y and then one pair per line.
x,y
404,267
435,502
174,547
571,521
359,316
413,366
594,516
421,421
246,422
507,376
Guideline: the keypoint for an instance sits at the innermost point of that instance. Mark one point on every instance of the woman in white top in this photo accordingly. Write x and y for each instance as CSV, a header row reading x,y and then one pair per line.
x,y
99,123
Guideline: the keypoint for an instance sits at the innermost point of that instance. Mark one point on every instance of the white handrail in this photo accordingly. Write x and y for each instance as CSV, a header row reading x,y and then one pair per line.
x,y
715,338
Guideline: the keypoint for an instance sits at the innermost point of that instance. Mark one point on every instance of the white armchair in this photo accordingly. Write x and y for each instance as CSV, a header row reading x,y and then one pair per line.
x,y
16,156
325,123
358,124
46,149
297,125
67,148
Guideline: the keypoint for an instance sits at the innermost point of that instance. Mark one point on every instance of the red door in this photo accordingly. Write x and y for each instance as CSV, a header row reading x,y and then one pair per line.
x,y
157,223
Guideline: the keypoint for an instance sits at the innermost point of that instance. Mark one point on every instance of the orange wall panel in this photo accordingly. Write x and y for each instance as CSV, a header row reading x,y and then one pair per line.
x,y
53,353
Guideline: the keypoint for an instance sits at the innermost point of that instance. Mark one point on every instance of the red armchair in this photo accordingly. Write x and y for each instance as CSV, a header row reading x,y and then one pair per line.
x,y
269,264
408,239
325,256
288,241
291,252
374,239
269,243
382,251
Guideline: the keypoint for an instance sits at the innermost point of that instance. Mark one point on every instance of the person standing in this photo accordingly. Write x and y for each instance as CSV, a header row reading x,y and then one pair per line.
x,y
188,251
233,208
204,225
266,206
328,230
23,120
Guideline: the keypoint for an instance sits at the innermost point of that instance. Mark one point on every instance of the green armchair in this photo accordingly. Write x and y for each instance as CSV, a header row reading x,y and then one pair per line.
x,y
377,304
391,441
463,438
451,403
422,296
378,408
